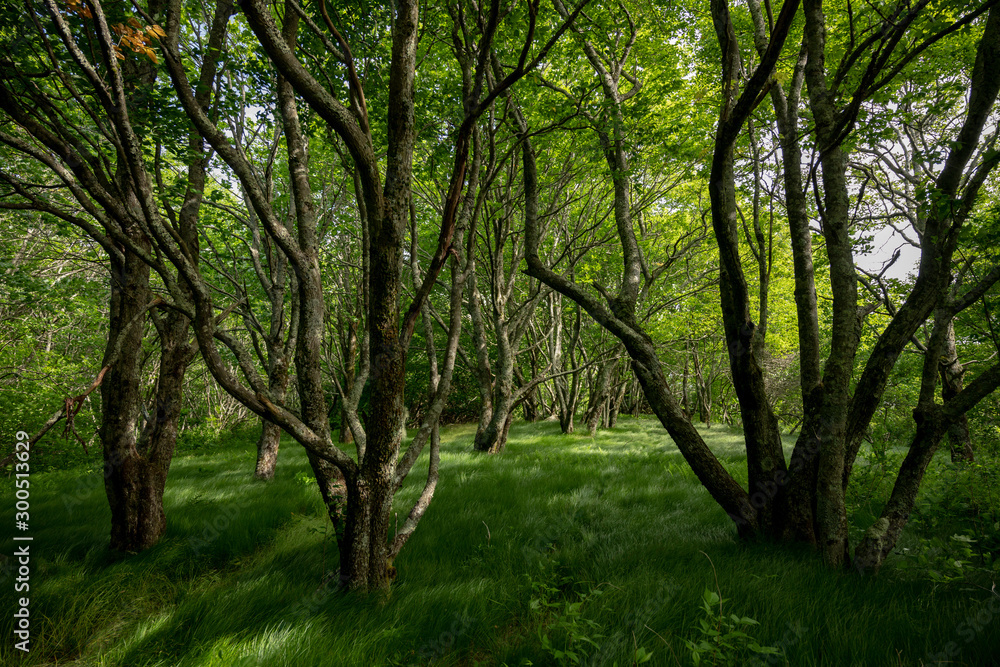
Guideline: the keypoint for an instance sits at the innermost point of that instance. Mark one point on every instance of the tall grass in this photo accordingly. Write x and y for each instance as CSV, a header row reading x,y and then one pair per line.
x,y
239,577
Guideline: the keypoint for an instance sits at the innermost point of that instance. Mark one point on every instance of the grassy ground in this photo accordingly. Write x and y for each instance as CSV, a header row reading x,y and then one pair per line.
x,y
590,546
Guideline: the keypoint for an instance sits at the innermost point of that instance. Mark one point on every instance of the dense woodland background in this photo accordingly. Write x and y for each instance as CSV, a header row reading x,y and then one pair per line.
x,y
356,224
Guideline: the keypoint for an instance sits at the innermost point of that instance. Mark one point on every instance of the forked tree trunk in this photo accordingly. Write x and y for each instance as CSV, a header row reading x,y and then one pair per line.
x,y
363,539
492,437
134,483
744,338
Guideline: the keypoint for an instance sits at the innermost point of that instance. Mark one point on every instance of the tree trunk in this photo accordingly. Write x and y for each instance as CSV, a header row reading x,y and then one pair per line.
x,y
880,539
270,433
345,436
795,501
744,338
568,387
614,406
529,402
493,438
703,389
484,373
951,370
685,403
136,468
599,398
267,450
134,488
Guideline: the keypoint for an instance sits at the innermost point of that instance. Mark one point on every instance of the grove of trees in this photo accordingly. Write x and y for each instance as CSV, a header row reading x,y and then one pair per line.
x,y
349,218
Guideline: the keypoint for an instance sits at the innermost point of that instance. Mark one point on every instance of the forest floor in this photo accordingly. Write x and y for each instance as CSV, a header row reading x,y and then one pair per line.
x,y
562,550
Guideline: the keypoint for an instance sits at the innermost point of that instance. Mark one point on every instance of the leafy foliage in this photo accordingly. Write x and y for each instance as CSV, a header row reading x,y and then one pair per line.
x,y
724,639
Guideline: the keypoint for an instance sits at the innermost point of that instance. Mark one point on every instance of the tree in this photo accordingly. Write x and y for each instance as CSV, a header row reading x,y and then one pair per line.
x,y
804,499
617,312
92,159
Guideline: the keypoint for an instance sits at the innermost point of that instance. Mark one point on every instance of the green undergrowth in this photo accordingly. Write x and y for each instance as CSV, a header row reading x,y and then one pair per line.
x,y
562,550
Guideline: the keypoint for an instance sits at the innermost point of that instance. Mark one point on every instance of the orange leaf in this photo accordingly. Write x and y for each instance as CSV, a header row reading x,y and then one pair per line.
x,y
157,30
132,21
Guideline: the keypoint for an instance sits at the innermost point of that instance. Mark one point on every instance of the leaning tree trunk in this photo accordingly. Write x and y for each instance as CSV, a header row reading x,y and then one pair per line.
x,y
881,537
